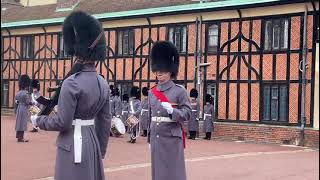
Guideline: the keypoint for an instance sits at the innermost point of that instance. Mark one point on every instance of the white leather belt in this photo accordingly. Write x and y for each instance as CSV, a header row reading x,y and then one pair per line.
x,y
206,115
194,110
77,137
161,119
125,112
144,110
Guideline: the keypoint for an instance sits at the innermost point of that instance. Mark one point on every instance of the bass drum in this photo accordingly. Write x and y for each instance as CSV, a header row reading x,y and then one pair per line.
x,y
117,127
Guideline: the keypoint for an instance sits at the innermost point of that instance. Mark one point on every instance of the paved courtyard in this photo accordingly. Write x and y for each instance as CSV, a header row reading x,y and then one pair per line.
x,y
205,160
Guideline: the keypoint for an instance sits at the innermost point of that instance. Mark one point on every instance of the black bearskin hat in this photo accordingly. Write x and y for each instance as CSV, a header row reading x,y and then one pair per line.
x,y
135,92
209,99
125,97
35,84
116,92
145,91
24,81
194,93
80,30
165,57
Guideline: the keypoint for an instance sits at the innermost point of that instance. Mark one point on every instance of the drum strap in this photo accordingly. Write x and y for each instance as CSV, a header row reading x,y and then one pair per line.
x,y
131,107
163,98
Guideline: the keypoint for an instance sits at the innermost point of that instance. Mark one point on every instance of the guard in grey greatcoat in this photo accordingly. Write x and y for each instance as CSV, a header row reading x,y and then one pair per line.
x,y
35,86
22,103
208,117
125,110
135,110
144,115
116,103
193,122
83,118
166,135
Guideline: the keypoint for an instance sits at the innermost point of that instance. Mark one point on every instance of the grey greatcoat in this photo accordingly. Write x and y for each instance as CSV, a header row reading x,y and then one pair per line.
x,y
23,100
144,115
167,151
193,123
125,112
208,121
116,106
84,95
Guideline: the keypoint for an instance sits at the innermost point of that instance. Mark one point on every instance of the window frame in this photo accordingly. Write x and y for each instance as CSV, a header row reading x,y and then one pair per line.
x,y
183,40
128,36
213,49
282,34
281,102
27,41
5,83
62,53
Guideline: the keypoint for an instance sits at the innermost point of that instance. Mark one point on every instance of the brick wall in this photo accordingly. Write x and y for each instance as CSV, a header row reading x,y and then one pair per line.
x,y
264,133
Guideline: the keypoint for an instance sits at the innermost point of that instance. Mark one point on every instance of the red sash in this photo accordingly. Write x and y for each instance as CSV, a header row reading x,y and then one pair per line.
x,y
163,98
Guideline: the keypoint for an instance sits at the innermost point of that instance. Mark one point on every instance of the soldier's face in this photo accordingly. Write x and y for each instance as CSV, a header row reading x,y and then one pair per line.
x,y
163,76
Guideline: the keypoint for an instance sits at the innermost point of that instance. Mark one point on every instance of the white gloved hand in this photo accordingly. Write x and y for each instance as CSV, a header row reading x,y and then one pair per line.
x,y
118,116
168,107
149,146
34,120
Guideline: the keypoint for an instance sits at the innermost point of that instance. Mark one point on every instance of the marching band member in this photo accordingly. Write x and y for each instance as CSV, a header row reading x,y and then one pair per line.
x,y
35,85
125,110
144,115
22,103
169,109
208,117
134,109
116,103
83,117
193,123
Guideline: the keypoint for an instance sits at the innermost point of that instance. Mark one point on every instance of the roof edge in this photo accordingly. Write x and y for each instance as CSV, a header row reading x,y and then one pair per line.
x,y
220,5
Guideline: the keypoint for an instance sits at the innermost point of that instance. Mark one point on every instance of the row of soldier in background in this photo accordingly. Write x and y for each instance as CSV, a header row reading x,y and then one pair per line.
x,y
134,105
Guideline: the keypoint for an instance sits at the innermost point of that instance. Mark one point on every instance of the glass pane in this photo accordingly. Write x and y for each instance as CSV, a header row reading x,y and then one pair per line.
x,y
120,43
125,42
171,34
276,34
131,41
285,26
283,103
268,36
177,39
184,39
61,44
266,103
274,104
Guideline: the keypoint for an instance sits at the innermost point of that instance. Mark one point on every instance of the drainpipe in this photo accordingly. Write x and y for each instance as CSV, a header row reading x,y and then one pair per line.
x,y
303,69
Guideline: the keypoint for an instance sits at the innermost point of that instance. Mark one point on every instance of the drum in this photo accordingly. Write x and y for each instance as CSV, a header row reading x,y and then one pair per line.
x,y
117,127
132,121
34,110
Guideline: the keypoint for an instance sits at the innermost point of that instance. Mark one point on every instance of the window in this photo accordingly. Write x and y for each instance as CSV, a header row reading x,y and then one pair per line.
x,y
126,42
213,38
62,49
275,103
26,47
178,36
211,89
5,94
276,34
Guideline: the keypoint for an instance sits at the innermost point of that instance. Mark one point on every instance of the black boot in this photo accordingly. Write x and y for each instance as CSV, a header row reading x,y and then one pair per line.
x,y
190,135
208,135
145,133
194,134
23,140
34,130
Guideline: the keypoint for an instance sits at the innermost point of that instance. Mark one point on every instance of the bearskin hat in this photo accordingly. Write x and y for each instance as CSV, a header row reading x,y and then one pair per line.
x,y
165,57
116,92
209,99
125,97
35,84
135,92
145,91
24,81
194,93
80,30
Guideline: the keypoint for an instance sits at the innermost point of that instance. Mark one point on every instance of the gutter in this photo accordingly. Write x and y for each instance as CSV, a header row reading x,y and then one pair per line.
x,y
160,11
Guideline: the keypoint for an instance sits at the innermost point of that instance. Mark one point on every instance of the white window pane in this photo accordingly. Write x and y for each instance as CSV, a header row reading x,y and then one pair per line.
x,y
184,39
276,37
171,35
120,43
268,36
285,34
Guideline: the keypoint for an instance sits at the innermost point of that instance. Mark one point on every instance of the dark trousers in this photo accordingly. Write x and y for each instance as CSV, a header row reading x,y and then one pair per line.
x,y
193,134
208,135
145,133
20,135
133,133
